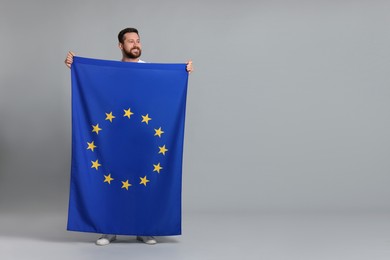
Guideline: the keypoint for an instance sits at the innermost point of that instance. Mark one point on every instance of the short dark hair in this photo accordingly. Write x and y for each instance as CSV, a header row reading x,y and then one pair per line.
x,y
121,35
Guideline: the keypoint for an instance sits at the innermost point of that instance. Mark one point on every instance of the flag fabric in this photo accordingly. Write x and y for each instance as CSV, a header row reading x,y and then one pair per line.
x,y
127,147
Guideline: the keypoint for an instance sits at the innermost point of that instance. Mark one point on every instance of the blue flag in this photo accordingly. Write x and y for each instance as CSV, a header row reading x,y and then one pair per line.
x,y
127,147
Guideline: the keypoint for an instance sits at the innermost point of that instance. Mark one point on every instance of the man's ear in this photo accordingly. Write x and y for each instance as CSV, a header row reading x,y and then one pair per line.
x,y
120,45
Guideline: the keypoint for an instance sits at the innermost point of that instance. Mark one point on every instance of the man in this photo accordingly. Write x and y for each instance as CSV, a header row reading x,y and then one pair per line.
x,y
130,45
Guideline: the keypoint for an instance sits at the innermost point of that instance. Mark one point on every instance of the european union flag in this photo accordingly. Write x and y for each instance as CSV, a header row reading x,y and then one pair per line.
x,y
127,147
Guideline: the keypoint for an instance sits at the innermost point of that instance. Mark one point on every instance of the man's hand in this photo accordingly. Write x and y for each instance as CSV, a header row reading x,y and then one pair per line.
x,y
189,67
69,59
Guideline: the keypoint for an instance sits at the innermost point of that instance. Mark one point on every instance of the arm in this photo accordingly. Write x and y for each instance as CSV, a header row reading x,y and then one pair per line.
x,y
69,59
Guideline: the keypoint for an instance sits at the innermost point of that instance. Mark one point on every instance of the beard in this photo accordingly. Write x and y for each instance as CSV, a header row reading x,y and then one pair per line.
x,y
134,53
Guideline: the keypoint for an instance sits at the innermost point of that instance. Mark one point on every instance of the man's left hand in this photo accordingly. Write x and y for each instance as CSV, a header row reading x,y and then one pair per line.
x,y
189,67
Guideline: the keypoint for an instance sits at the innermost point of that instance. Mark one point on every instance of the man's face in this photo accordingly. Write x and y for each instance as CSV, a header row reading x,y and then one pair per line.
x,y
131,46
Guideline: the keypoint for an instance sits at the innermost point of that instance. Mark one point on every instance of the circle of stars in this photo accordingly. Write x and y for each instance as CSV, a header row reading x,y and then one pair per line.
x,y
158,132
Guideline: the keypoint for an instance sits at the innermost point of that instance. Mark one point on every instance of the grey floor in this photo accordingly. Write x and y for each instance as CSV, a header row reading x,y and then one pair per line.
x,y
208,236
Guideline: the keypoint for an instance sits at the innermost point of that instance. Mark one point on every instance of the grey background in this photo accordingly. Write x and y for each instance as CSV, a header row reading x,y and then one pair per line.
x,y
287,111
287,135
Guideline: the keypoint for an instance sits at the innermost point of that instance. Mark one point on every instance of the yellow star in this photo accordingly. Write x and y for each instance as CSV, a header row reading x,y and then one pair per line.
x,y
126,185
95,164
162,149
159,132
91,146
146,119
110,116
144,180
157,167
96,128
128,113
107,178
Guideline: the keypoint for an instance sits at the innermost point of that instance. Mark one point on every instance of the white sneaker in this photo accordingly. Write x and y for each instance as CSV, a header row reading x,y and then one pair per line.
x,y
147,240
105,240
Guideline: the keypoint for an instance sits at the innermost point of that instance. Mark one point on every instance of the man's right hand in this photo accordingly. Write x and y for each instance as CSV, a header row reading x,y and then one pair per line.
x,y
69,59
